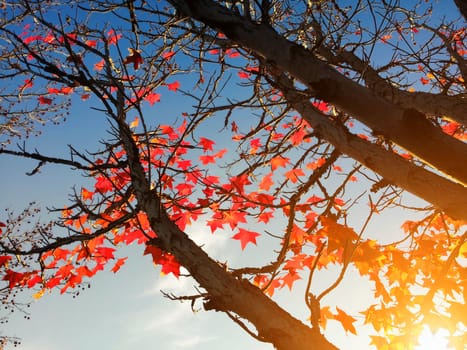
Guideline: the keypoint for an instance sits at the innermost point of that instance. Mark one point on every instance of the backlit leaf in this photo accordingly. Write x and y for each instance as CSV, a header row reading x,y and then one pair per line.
x,y
245,237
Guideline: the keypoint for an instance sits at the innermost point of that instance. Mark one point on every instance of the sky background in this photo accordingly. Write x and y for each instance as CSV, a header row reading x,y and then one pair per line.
x,y
126,310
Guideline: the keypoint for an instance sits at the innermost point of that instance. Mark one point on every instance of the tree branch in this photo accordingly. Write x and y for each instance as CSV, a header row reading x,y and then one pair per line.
x,y
406,127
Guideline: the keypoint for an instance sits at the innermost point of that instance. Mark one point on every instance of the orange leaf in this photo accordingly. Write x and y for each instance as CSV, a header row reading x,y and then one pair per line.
x,y
266,182
339,236
118,264
293,174
379,342
290,278
85,194
346,321
316,164
325,315
386,37
265,217
134,123
279,161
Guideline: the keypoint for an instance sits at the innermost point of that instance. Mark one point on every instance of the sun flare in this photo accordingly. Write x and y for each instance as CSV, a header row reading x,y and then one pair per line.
x,y
433,341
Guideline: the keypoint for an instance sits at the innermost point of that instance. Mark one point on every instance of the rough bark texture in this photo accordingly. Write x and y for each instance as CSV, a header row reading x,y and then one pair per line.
x,y
444,194
405,126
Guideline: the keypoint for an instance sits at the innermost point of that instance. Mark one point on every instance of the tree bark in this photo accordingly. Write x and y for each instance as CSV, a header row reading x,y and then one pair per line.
x,y
404,126
442,193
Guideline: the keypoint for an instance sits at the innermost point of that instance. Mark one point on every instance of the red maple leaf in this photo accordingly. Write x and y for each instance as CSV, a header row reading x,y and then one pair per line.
x,y
103,184
13,277
243,75
91,43
183,164
84,271
184,189
234,217
4,260
297,137
105,252
167,55
153,98
170,265
44,100
234,127
155,252
173,86
207,144
245,237
134,57
207,159
34,280
216,222
113,37
99,65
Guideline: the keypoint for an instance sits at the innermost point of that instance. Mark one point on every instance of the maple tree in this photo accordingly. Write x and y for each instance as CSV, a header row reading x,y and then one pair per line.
x,y
349,109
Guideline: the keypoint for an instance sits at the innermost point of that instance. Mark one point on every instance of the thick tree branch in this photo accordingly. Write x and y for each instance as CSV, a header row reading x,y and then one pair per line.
x,y
442,193
431,104
406,127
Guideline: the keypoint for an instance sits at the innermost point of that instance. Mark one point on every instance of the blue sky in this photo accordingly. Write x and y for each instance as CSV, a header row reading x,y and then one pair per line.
x,y
126,310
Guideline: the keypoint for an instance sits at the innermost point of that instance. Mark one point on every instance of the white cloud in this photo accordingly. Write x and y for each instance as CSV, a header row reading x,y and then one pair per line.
x,y
213,244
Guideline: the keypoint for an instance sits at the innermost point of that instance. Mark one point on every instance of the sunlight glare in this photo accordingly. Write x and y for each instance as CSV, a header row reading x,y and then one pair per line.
x,y
433,341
